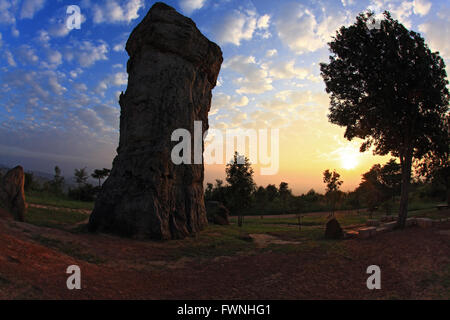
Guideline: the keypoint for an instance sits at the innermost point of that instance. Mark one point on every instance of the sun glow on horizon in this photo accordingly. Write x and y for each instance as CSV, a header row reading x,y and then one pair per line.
x,y
349,159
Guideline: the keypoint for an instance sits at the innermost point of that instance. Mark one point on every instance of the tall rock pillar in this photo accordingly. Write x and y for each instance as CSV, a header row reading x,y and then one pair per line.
x,y
172,70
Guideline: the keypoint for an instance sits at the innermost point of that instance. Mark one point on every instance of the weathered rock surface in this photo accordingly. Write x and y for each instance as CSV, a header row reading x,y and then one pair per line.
x,y
217,213
172,70
333,229
12,194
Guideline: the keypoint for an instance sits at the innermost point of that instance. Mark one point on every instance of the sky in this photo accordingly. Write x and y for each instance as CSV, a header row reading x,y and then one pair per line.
x,y
59,87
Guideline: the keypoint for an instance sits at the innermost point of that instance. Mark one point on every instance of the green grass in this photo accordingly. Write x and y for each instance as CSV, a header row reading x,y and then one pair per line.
x,y
63,202
68,248
213,242
53,218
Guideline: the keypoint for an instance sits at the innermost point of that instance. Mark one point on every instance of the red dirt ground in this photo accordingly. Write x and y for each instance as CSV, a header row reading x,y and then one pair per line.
x,y
410,262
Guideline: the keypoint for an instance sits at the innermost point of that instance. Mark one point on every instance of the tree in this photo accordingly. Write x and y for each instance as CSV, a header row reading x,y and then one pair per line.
x,y
260,195
209,191
388,89
284,191
57,183
81,176
30,182
371,188
272,192
391,176
435,167
240,178
100,175
333,183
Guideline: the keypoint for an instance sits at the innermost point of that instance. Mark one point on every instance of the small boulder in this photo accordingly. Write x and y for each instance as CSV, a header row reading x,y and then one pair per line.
x,y
12,194
333,229
217,213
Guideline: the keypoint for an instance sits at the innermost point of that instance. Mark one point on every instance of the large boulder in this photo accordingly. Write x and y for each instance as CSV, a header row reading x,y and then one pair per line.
x,y
172,70
12,195
333,229
217,213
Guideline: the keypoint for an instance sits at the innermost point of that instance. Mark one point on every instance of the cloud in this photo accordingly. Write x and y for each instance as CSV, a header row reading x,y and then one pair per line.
x,y
189,6
7,9
27,55
55,123
117,79
434,30
43,36
263,22
347,3
30,7
255,78
10,58
271,53
402,10
422,7
302,32
238,25
287,70
54,59
86,53
225,102
113,11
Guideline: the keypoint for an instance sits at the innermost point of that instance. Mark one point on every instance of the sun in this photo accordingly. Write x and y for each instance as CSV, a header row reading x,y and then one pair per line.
x,y
349,159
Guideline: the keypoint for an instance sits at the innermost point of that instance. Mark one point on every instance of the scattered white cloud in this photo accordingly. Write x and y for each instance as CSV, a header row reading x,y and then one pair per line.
x,y
222,101
43,36
117,79
120,79
30,7
86,53
287,70
75,73
54,59
301,31
10,58
347,3
239,25
271,53
402,10
7,9
434,30
27,54
422,7
119,47
113,11
189,6
14,31
263,22
254,77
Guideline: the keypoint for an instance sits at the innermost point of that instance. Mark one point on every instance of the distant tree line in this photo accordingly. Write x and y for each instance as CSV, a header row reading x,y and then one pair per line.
x,y
379,189
84,191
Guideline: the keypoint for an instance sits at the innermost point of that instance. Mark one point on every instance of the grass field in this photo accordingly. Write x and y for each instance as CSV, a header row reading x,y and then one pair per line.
x,y
216,240
62,202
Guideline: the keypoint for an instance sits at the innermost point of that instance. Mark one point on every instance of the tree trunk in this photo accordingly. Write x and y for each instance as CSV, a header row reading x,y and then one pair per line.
x,y
448,196
406,162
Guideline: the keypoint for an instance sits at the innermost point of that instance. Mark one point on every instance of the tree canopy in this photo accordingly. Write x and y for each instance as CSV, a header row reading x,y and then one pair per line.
x,y
387,88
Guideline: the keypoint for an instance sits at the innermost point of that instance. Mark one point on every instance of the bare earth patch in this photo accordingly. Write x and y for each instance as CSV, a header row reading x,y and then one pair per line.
x,y
264,240
415,264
